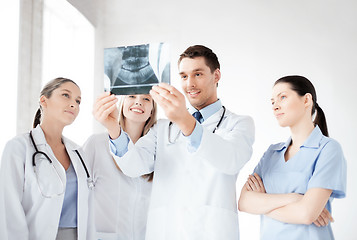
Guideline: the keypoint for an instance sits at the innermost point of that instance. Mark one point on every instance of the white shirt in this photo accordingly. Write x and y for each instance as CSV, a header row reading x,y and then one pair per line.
x,y
25,213
194,193
120,202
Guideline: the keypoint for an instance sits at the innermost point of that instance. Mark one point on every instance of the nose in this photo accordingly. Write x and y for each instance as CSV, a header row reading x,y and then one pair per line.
x,y
191,81
138,102
275,106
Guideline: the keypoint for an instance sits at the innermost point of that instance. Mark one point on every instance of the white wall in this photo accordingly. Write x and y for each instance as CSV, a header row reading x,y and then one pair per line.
x,y
258,42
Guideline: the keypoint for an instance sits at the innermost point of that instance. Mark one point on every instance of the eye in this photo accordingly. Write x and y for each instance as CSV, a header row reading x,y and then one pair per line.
x,y
282,97
198,74
65,95
183,77
78,102
147,99
272,103
131,96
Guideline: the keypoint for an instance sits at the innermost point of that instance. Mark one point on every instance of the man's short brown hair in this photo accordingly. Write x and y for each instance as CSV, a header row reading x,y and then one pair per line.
x,y
201,51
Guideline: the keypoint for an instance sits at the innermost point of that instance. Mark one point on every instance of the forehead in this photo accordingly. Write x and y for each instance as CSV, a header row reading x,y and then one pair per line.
x,y
281,87
69,86
192,64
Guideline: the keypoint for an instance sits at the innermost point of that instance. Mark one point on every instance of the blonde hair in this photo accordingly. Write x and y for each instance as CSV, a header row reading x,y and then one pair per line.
x,y
148,124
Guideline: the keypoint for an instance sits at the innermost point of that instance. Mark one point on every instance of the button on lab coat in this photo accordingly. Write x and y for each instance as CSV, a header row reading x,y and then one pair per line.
x,y
121,203
194,194
25,213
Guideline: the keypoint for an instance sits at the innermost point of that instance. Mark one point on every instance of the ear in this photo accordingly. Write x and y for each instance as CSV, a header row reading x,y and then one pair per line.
x,y
308,100
217,75
43,101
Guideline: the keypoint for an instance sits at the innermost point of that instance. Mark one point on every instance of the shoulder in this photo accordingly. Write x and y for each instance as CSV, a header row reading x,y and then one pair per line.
x,y
97,138
19,141
330,145
239,118
16,148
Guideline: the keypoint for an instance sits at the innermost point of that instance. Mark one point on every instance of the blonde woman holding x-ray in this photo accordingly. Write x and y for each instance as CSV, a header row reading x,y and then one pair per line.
x,y
120,202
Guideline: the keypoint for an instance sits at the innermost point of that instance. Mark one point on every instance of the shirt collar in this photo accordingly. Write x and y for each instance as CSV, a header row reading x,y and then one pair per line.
x,y
313,141
207,111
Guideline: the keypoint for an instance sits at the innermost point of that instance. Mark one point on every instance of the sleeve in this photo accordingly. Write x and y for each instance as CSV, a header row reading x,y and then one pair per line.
x,y
330,170
260,166
140,158
13,223
228,150
194,140
119,146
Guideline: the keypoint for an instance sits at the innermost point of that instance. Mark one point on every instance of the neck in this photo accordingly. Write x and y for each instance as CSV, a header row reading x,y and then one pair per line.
x,y
134,129
53,133
300,132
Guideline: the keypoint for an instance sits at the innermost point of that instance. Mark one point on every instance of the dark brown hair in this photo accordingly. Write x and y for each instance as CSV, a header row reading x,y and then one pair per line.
x,y
201,51
301,85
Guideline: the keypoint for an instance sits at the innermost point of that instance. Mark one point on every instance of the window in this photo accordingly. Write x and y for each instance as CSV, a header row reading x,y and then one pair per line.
x,y
68,51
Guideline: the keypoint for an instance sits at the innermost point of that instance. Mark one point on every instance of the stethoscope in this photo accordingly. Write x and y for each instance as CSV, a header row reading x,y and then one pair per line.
x,y
90,182
214,130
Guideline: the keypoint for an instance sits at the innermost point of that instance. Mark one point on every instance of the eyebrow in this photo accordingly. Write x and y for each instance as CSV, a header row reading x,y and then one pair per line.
x,y
194,70
272,99
66,90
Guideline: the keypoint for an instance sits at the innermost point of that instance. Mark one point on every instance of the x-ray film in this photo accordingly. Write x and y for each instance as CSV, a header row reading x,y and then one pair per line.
x,y
135,69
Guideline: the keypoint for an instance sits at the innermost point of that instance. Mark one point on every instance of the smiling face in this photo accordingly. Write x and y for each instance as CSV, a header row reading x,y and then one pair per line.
x,y
198,82
288,107
62,105
137,108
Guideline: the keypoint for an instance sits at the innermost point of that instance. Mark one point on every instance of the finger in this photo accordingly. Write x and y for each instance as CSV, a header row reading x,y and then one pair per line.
x,y
164,92
316,222
259,180
251,184
328,214
249,188
104,104
102,111
170,88
163,102
254,180
102,99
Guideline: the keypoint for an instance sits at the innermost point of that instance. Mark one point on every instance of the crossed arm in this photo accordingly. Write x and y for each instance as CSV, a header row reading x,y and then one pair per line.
x,y
289,208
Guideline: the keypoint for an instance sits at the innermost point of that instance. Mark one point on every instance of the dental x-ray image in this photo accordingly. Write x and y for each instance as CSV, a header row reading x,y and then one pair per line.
x,y
135,69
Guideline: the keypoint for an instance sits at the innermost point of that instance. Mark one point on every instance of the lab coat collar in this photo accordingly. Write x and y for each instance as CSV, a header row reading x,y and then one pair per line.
x,y
313,141
40,139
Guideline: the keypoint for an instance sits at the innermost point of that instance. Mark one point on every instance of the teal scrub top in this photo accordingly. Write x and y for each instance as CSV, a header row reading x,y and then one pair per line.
x,y
318,164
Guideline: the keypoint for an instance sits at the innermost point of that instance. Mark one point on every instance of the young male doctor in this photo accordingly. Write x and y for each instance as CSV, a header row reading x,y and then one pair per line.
x,y
195,162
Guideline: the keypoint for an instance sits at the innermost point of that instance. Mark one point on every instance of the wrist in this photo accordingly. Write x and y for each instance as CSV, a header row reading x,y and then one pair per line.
x,y
114,133
187,124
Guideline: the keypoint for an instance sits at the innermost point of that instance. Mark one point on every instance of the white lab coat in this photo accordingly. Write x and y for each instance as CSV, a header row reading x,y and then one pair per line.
x,y
25,213
120,202
194,194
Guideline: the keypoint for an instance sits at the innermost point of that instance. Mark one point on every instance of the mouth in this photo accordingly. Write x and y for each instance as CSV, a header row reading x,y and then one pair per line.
x,y
70,112
193,93
137,110
278,115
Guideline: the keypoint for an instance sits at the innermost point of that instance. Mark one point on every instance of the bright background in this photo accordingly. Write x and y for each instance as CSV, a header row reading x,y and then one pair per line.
x,y
256,41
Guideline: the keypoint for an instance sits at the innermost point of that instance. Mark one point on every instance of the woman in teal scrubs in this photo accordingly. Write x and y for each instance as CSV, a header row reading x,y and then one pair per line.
x,y
295,181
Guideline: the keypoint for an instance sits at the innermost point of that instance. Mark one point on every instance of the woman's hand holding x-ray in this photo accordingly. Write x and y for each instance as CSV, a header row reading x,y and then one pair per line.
x,y
106,112
174,105
255,183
